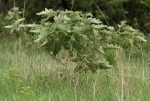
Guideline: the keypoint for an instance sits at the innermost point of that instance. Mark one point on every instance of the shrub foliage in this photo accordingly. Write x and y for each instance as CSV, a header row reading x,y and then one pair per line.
x,y
90,43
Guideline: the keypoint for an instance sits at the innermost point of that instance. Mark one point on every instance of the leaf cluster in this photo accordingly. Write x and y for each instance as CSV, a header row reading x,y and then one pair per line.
x,y
90,43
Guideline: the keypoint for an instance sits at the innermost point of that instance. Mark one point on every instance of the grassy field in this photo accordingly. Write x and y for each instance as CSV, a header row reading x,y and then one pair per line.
x,y
29,74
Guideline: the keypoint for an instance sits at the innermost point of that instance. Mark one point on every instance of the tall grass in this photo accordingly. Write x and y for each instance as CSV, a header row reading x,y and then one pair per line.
x,y
28,73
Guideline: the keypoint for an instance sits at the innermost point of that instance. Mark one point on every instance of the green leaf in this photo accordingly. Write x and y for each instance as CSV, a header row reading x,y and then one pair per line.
x,y
123,24
61,28
111,59
89,15
44,32
66,18
35,30
45,42
76,16
111,28
94,21
75,44
56,47
101,50
96,33
47,12
32,25
77,30
140,38
126,33
84,36
9,26
19,21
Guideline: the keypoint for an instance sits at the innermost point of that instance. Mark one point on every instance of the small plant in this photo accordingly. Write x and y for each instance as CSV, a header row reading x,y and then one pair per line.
x,y
26,90
17,26
13,75
3,22
90,43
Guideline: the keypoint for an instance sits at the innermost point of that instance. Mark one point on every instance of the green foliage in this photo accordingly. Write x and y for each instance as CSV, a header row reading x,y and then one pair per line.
x,y
90,43
136,12
16,25
13,76
15,18
3,22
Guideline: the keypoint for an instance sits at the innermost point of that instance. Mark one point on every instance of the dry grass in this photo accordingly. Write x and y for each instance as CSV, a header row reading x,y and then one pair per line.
x,y
29,74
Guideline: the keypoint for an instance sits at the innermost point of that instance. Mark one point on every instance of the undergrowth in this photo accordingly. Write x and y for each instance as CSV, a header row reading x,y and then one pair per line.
x,y
28,74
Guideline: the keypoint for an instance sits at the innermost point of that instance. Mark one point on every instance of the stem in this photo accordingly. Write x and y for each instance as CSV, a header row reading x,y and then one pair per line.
x,y
24,8
58,60
14,3
76,81
107,77
143,69
143,64
101,13
94,91
72,3
94,87
122,83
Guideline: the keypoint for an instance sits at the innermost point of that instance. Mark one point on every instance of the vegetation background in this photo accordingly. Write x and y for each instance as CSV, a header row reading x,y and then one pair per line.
x,y
28,73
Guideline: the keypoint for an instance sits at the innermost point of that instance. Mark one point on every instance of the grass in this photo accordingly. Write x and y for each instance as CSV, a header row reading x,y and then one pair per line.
x,y
29,74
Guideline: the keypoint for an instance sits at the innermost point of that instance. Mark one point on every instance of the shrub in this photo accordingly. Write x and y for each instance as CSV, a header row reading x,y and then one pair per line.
x,y
90,43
